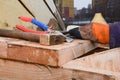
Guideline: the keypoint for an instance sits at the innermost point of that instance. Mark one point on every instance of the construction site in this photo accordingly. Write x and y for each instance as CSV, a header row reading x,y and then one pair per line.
x,y
35,45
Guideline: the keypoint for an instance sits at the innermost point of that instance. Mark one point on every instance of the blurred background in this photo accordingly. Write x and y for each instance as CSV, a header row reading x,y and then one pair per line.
x,y
81,12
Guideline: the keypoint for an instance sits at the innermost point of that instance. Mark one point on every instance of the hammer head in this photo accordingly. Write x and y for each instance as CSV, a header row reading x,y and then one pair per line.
x,y
51,39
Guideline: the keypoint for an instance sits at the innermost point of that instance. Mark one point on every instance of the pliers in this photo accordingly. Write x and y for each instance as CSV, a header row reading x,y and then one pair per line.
x,y
44,27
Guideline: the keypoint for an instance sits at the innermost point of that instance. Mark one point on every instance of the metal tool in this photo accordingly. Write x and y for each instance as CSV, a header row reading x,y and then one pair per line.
x,y
42,26
36,22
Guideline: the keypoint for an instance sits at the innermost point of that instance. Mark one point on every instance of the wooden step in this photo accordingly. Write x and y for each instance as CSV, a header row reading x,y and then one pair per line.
x,y
55,55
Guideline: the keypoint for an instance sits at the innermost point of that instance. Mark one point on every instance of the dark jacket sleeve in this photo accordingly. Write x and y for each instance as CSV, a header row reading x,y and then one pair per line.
x,y
114,35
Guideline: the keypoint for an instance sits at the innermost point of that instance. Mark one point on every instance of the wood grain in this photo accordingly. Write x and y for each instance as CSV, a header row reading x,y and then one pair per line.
x,y
55,55
13,70
105,62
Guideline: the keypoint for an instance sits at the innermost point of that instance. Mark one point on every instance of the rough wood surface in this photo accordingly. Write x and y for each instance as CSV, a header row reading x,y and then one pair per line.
x,y
13,70
51,39
106,62
55,55
9,13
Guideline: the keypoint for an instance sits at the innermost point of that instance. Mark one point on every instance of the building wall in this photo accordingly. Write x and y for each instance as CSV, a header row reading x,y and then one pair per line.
x,y
99,6
66,8
114,10
70,5
109,8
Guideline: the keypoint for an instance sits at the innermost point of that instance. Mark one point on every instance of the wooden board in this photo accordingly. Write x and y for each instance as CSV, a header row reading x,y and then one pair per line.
x,y
55,55
106,62
13,70
9,13
44,11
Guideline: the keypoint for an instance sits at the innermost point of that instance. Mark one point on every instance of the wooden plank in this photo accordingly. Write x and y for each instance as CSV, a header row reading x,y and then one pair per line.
x,y
9,13
13,70
106,62
55,55
43,13
35,6
3,49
